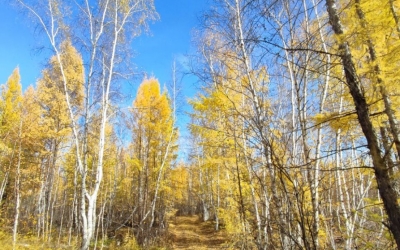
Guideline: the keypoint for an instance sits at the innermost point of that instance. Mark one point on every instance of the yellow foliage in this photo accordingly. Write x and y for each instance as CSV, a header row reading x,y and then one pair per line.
x,y
377,30
51,91
178,189
152,110
336,121
230,217
10,103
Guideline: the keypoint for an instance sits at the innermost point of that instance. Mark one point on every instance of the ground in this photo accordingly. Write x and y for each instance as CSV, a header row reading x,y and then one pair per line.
x,y
190,232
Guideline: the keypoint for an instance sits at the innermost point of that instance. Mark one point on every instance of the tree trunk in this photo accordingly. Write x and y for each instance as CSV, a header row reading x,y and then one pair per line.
x,y
385,188
17,188
395,16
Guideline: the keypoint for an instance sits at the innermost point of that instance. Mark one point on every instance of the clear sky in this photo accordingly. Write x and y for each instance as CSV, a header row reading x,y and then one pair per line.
x,y
169,39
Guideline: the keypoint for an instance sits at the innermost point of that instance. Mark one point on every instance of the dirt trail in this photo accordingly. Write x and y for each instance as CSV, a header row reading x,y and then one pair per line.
x,y
189,232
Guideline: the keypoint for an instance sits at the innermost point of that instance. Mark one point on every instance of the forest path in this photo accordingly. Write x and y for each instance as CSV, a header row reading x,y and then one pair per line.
x,y
190,232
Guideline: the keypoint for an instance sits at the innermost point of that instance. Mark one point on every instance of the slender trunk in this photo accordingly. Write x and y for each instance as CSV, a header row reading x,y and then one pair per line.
x,y
312,173
266,205
41,204
62,216
341,196
74,217
202,196
388,148
17,188
82,211
51,206
395,16
218,201
242,210
47,201
321,109
3,185
259,240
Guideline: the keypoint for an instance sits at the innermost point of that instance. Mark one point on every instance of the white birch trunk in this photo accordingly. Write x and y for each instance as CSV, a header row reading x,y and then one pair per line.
x,y
17,188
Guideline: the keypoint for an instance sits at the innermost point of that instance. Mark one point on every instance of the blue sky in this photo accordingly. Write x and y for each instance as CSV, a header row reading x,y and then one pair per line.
x,y
169,39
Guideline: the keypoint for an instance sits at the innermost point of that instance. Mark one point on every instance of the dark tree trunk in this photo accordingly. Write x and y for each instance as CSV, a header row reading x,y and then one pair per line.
x,y
385,188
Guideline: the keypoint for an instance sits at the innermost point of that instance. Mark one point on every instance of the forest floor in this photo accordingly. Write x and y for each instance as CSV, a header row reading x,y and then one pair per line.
x,y
190,232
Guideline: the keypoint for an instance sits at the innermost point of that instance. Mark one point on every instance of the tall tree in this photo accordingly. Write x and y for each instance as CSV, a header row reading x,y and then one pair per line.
x,y
153,144
10,115
353,81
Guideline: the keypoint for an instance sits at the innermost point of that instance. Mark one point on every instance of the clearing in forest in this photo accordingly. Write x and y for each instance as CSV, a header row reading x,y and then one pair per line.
x,y
190,232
